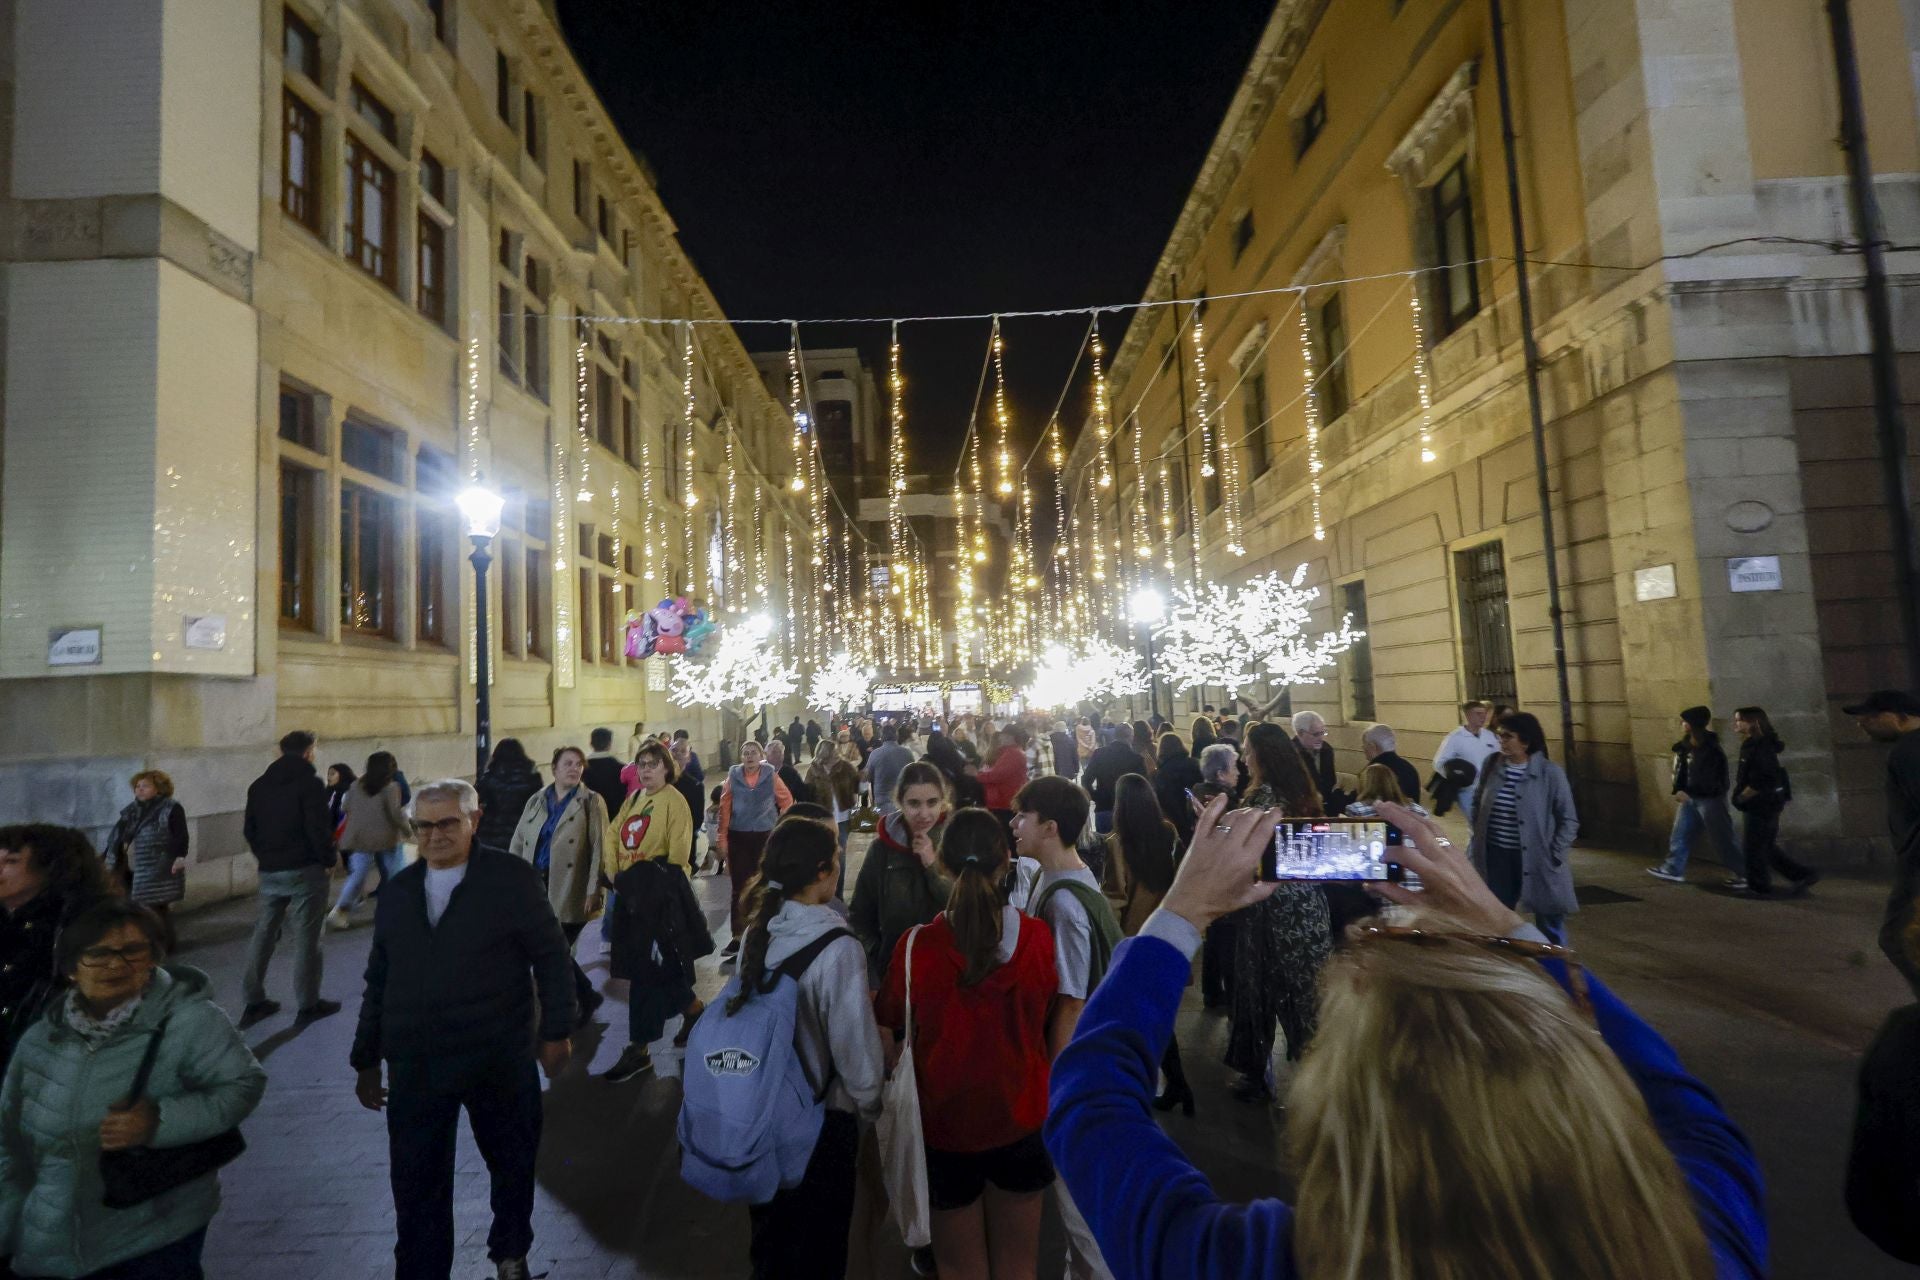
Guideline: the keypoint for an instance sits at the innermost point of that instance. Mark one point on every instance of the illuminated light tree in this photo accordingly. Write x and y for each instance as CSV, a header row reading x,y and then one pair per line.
x,y
1097,671
743,673
1236,637
840,686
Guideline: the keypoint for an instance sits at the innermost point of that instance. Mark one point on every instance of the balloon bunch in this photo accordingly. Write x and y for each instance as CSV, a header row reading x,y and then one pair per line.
x,y
672,626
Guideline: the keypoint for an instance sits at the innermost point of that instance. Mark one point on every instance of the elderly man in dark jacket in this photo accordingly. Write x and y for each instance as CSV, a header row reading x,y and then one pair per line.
x,y
450,1008
291,834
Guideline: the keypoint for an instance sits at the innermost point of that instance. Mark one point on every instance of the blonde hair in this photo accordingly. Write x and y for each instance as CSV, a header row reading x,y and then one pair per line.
x,y
1459,1118
1378,783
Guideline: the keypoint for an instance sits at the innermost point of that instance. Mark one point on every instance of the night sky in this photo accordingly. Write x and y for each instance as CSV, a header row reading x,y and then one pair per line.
x,y
867,159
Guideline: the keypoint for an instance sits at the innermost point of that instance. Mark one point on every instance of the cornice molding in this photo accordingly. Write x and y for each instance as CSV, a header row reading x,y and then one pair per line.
x,y
1328,252
1447,121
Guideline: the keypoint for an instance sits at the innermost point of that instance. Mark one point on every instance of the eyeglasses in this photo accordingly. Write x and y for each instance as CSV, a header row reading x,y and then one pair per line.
x,y
444,827
101,957
1519,948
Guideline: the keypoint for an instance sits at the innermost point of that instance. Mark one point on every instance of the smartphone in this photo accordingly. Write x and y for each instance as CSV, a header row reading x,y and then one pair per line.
x,y
1333,849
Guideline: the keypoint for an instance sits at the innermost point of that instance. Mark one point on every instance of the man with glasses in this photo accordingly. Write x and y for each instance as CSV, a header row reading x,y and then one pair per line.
x,y
288,828
450,1008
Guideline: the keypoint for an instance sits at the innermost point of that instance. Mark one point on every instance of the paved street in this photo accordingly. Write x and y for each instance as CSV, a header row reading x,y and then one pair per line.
x,y
1770,1002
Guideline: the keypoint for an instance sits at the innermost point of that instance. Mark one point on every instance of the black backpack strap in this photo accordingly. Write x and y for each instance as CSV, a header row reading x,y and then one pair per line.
x,y
146,1061
797,963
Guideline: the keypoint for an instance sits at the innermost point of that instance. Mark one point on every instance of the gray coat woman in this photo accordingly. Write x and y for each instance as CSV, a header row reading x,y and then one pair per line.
x,y
1524,825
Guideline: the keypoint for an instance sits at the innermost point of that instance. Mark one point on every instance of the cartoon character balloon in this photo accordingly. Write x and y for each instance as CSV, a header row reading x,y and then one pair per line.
x,y
672,626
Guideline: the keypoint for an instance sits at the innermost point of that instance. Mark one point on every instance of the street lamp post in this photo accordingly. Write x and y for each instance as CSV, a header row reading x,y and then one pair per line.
x,y
481,509
1149,608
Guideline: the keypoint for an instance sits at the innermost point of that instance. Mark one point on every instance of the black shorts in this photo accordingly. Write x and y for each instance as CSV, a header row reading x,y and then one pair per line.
x,y
955,1179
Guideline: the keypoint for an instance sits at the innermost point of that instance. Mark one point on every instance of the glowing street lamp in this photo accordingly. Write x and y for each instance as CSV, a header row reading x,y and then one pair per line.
x,y
480,508
1149,610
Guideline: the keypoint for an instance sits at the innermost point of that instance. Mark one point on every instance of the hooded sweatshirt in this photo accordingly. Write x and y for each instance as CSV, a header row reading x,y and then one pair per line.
x,y
894,892
834,1031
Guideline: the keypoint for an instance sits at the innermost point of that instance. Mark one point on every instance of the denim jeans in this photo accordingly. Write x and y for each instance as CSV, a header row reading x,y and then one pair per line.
x,y
359,866
1694,813
301,894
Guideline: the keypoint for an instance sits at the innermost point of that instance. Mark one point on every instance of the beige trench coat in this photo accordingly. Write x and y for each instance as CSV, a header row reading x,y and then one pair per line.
x,y
574,859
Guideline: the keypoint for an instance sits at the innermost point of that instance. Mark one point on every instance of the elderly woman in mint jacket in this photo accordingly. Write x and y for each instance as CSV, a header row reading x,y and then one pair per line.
x,y
1524,825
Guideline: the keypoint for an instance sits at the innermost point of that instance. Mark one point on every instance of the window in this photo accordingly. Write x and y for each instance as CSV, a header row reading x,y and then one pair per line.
x,y
509,256
1330,361
583,620
502,87
535,621
433,177
1309,124
1356,664
299,524
432,269
605,413
367,539
434,475
300,47
1242,234
1486,643
1180,500
371,449
1456,285
533,352
299,417
611,649
432,602
371,230
629,429
509,322
378,116
299,160
603,219
531,121
437,9
1253,424
580,184
603,549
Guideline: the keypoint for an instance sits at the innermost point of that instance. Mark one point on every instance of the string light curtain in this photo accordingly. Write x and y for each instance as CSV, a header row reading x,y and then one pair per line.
x,y
1422,373
1002,419
691,498
897,532
1102,431
1312,403
581,424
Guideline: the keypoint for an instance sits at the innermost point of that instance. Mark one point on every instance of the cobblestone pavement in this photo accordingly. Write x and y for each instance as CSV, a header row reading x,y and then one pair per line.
x,y
1770,1002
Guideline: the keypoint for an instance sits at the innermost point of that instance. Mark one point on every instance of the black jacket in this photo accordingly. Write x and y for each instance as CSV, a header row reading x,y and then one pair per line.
x,y
1404,773
1104,769
658,929
1883,1165
287,825
1700,771
504,793
1177,774
1066,754
1325,776
29,976
1760,768
602,777
446,1004
797,786
695,795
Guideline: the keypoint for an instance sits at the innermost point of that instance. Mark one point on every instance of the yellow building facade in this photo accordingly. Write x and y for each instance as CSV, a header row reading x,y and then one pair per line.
x,y
279,280
1708,419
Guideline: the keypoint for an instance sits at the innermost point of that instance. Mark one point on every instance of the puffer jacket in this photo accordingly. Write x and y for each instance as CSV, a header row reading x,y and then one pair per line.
x,y
29,978
58,1087
504,792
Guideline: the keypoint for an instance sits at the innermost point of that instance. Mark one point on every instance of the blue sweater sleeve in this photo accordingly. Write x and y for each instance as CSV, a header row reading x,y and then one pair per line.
x,y
1152,1212
1712,1153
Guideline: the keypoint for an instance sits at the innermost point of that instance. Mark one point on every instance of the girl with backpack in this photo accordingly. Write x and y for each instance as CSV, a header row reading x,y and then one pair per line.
x,y
982,980
800,968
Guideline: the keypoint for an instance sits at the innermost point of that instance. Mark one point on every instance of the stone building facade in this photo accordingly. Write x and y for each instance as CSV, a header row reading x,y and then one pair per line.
x,y
280,278
1709,423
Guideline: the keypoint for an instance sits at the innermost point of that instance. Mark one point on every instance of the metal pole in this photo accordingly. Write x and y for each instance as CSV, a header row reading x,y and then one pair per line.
x,y
1186,443
1532,351
1889,425
483,707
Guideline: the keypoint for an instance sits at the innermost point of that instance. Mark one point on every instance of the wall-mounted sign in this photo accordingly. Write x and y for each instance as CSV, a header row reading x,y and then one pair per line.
x,y
207,631
73,647
1656,583
1753,573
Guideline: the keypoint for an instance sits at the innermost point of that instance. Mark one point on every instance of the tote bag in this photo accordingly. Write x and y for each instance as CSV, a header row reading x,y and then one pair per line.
x,y
903,1152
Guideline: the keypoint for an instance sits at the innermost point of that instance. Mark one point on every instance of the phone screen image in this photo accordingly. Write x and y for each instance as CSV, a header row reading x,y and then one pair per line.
x,y
1324,849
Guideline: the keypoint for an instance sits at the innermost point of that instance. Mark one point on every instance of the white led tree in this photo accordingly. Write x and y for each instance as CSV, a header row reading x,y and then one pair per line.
x,y
1096,671
1236,637
840,686
743,673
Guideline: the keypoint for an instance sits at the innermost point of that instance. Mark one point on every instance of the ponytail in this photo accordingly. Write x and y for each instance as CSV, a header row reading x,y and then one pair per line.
x,y
974,849
797,852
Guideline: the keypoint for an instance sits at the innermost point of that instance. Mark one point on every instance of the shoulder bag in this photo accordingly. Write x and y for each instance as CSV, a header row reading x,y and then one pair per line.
x,y
903,1151
136,1175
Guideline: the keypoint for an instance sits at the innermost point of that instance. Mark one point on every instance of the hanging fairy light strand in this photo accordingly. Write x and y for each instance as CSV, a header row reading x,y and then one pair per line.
x,y
691,498
1103,477
899,573
581,419
1002,420
1422,373
1203,393
1312,404
794,413
1142,524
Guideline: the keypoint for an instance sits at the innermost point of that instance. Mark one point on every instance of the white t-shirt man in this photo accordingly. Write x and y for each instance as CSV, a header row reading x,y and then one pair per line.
x,y
1465,744
1072,931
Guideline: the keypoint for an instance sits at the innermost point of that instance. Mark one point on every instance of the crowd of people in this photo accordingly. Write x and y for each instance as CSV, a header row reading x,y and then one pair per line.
x,y
1021,930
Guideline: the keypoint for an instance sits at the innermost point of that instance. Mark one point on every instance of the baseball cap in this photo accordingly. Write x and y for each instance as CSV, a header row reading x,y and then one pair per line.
x,y
1897,701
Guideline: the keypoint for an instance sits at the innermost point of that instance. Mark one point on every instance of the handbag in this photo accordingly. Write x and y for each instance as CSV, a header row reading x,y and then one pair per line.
x,y
136,1175
903,1151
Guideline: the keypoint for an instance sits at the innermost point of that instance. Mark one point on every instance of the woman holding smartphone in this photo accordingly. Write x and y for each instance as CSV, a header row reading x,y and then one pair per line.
x,y
1281,942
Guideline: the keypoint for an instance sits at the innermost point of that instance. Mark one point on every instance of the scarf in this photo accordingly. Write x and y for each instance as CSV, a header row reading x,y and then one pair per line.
x,y
97,1031
556,810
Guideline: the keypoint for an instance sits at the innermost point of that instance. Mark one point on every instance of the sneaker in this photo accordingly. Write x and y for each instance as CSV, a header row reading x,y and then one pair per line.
x,y
1734,882
258,1011
511,1269
1671,877
317,1010
338,920
1805,883
634,1061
